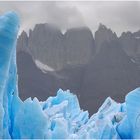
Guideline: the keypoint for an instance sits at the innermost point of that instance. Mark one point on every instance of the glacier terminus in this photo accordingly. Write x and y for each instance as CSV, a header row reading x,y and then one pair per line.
x,y
59,117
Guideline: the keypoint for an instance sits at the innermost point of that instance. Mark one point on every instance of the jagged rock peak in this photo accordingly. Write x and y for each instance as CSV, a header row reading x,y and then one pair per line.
x,y
23,35
103,28
128,34
75,47
137,34
22,42
102,35
131,43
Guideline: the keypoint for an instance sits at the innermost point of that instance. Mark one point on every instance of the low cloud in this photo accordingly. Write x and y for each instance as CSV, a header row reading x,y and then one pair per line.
x,y
120,16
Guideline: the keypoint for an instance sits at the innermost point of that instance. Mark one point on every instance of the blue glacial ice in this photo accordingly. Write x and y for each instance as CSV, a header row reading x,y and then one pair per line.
x,y
60,116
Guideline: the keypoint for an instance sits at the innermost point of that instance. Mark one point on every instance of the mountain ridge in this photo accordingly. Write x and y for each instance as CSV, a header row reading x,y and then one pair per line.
x,y
93,68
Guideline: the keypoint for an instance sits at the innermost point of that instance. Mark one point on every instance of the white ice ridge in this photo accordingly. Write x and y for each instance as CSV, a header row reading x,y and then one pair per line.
x,y
60,116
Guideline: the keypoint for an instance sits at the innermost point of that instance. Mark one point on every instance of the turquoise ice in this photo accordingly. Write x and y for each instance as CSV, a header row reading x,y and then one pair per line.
x,y
60,116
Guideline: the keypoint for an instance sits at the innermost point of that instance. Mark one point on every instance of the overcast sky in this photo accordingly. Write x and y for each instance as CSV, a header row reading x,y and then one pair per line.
x,y
119,16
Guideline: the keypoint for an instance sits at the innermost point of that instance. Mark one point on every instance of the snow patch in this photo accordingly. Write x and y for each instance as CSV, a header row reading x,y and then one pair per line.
x,y
137,37
43,67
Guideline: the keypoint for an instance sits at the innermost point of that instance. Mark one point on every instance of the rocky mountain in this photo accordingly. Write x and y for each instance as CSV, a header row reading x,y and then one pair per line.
x,y
22,42
47,44
31,80
92,69
111,73
131,44
102,35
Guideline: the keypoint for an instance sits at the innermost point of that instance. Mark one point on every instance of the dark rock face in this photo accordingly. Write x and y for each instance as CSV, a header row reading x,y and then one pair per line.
x,y
45,44
111,73
48,45
79,45
22,42
102,35
91,69
32,81
131,44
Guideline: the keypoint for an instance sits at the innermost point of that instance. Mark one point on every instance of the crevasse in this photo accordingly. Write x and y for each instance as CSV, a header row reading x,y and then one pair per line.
x,y
60,116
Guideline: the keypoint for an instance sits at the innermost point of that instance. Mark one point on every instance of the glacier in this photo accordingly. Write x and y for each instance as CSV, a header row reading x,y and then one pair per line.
x,y
59,117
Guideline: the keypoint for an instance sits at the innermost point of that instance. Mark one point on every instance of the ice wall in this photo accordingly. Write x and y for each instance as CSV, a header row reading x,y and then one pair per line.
x,y
9,24
60,116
